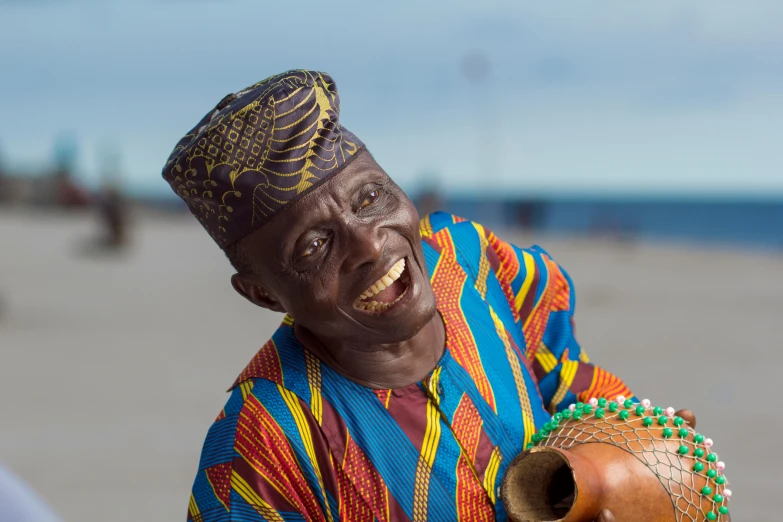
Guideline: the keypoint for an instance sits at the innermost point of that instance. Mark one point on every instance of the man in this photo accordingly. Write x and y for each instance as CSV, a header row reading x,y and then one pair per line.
x,y
415,360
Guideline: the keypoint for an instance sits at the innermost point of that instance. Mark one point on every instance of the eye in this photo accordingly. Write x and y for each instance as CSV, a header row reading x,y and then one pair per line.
x,y
314,247
371,198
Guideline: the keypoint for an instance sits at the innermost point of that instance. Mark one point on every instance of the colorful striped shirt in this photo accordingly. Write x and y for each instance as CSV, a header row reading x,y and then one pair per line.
x,y
298,441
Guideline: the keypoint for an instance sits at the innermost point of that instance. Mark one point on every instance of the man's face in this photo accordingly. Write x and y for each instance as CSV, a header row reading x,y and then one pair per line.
x,y
346,260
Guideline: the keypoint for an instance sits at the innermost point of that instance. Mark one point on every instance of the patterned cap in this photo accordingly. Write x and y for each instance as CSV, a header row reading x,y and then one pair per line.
x,y
259,150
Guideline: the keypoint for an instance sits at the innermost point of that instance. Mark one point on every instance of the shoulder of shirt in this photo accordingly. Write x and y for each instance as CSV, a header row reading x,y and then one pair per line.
x,y
278,369
473,243
437,222
433,223
281,355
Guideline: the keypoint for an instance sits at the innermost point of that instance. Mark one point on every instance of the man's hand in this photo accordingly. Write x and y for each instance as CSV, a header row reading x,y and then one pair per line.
x,y
606,515
688,416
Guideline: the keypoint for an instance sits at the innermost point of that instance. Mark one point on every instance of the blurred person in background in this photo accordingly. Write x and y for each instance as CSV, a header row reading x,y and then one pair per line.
x,y
112,207
416,358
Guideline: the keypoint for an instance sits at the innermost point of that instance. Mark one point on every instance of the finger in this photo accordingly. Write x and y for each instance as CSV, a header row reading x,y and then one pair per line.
x,y
605,516
688,416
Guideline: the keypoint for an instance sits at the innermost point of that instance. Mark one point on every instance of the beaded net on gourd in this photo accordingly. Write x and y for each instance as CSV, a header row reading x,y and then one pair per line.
x,y
681,458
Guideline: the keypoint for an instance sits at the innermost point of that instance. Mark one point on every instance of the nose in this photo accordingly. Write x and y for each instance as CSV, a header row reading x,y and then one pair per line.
x,y
366,242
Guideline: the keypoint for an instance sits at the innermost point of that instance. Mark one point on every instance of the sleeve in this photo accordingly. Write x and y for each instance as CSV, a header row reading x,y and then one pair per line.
x,y
253,470
541,296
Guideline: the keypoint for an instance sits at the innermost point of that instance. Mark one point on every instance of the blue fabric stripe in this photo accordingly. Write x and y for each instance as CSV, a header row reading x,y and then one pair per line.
x,y
219,444
376,432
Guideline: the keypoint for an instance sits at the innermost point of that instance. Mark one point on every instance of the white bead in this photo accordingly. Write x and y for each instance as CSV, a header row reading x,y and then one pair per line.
x,y
727,493
620,399
670,412
646,403
572,407
593,402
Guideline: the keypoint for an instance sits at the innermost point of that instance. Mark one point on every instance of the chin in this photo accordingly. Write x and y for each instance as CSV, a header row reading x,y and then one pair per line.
x,y
409,322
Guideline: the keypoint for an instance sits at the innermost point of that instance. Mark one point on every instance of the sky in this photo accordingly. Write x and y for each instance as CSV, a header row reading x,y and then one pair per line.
x,y
598,98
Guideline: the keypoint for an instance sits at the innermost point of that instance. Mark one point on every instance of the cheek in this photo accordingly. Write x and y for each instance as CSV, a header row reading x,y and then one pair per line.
x,y
404,211
317,298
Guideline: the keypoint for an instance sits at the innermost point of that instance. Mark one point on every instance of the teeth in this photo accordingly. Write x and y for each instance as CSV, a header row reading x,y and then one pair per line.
x,y
376,307
381,284
386,280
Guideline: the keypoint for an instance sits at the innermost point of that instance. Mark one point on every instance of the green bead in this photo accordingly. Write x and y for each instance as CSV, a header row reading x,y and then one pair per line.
x,y
558,416
639,410
544,431
529,445
698,452
657,410
553,424
579,405
682,450
667,432
678,421
662,420
720,480
648,421
699,466
723,510
566,414
537,438
698,438
577,414
586,409
718,498
602,402
706,490
712,516
599,413
627,404
623,414
712,473
682,433
613,406
712,457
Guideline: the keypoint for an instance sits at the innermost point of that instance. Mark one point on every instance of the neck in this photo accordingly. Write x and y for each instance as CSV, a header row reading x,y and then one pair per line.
x,y
382,366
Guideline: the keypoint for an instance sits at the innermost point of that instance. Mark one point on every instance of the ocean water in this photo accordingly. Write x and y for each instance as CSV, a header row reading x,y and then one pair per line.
x,y
748,223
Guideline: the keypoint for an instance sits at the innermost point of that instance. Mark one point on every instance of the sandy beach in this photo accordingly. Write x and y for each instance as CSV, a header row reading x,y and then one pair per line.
x,y
112,368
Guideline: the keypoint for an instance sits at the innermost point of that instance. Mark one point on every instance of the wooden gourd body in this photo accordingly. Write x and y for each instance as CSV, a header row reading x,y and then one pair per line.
x,y
642,465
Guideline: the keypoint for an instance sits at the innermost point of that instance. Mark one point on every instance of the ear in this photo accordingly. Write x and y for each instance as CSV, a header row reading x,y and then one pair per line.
x,y
252,290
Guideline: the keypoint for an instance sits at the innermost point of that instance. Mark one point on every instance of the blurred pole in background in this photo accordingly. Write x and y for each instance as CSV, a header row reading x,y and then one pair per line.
x,y
67,192
3,188
429,197
476,67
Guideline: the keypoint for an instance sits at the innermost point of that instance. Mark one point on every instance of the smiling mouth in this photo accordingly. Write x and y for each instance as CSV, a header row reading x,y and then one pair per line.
x,y
386,291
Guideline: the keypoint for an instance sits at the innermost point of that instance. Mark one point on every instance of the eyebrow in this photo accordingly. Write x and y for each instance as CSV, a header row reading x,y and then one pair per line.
x,y
373,176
